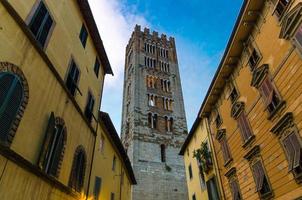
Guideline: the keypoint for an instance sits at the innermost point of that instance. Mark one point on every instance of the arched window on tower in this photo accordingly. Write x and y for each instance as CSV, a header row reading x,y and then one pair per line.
x,y
11,98
76,180
154,121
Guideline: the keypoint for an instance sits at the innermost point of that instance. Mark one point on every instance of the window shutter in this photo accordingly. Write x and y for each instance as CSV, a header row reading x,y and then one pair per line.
x,y
297,148
259,175
47,139
57,152
11,95
289,151
267,90
45,30
38,18
234,190
97,187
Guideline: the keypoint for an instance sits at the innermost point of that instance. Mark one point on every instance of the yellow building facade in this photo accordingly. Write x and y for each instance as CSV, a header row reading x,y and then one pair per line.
x,y
52,69
254,107
202,179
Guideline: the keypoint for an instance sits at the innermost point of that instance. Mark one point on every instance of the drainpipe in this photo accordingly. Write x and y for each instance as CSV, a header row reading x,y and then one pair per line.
x,y
93,151
121,181
217,171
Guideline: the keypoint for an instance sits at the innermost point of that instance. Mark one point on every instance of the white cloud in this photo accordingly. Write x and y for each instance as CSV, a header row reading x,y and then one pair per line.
x,y
115,24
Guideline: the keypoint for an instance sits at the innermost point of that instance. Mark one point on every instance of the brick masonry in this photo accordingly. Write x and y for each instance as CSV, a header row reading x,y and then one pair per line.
x,y
156,179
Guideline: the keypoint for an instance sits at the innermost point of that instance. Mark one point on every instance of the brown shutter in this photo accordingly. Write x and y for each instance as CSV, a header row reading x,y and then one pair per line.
x,y
290,152
47,138
267,90
259,175
297,149
233,188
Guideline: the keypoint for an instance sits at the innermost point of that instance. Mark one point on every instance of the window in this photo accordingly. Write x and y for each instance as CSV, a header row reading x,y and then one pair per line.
x,y
212,189
218,121
244,126
154,121
152,99
169,123
97,187
190,172
201,176
83,35
293,147
52,151
254,59
96,67
102,144
163,152
112,196
73,78
261,181
235,189
281,6
113,163
234,94
193,197
11,98
225,150
269,94
89,107
298,38
41,24
76,180
288,132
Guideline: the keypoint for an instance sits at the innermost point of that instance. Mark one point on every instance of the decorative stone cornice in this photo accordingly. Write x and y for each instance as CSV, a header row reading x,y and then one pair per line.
x,y
259,74
231,172
220,134
252,153
237,108
285,122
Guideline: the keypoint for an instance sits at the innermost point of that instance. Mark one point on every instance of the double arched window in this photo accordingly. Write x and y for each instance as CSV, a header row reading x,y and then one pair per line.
x,y
13,90
76,180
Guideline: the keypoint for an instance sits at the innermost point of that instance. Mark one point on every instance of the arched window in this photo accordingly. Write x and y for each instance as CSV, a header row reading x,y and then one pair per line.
x,y
76,180
52,152
163,152
11,100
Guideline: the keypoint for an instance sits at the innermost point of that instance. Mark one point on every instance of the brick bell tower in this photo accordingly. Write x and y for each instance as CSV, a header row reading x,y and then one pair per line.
x,y
153,119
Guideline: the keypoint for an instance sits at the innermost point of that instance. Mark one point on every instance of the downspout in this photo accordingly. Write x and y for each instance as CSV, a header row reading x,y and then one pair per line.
x,y
214,158
91,165
121,181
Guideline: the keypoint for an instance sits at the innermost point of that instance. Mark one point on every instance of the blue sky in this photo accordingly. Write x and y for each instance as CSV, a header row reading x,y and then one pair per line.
x,y
201,29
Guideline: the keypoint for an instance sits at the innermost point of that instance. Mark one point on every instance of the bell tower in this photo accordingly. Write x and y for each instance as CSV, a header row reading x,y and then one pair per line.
x,y
153,118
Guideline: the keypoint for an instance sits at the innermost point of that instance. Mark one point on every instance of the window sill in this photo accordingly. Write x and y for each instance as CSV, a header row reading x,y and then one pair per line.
x,y
228,162
277,109
248,141
266,196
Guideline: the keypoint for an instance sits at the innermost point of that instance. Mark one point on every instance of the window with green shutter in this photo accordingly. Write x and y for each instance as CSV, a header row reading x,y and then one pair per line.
x,y
11,97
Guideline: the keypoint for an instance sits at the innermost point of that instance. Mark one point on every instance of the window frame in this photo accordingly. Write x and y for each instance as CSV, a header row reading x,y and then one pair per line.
x,y
32,14
82,31
285,8
88,110
96,67
190,171
77,89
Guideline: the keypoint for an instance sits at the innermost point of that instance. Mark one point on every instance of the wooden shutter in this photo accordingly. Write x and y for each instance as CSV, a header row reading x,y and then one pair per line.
x,y
297,149
267,90
258,175
244,127
290,152
225,150
47,141
11,96
57,153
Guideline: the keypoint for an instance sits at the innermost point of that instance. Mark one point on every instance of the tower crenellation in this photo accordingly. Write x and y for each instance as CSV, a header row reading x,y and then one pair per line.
x,y
153,117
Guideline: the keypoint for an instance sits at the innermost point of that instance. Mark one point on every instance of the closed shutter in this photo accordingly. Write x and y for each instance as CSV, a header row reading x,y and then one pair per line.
x,y
47,141
259,175
45,30
297,148
11,96
290,152
58,145
234,190
244,127
267,90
